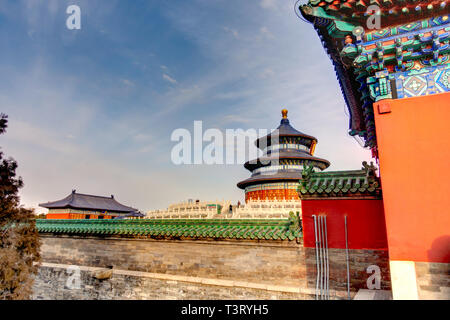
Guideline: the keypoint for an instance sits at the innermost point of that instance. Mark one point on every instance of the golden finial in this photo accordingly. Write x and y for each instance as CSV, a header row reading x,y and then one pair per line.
x,y
284,113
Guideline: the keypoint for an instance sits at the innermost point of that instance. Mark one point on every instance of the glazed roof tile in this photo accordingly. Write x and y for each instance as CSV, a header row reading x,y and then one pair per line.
x,y
251,229
352,183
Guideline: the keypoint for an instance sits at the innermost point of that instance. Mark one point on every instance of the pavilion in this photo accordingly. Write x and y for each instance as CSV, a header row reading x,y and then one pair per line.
x,y
275,175
85,206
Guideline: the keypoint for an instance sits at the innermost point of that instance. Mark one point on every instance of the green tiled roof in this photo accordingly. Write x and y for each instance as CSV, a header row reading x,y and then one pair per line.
x,y
354,183
258,229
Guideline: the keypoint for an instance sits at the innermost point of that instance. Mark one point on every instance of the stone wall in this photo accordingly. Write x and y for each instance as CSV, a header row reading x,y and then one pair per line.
x,y
280,262
202,269
359,262
433,280
52,282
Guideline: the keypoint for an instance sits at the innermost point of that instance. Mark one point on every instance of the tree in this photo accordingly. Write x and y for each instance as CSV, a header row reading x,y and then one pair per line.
x,y
19,239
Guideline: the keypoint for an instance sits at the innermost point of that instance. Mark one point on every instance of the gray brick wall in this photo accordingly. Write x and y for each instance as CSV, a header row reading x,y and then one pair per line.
x,y
50,284
246,261
267,263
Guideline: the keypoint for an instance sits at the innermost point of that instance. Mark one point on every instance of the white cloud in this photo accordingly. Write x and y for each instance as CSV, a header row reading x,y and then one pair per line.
x,y
142,137
146,149
267,73
234,32
269,4
169,78
238,94
234,118
266,33
43,138
128,83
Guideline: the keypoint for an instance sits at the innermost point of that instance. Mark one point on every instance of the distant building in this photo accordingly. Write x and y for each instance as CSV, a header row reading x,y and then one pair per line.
x,y
193,210
267,209
85,206
276,174
261,209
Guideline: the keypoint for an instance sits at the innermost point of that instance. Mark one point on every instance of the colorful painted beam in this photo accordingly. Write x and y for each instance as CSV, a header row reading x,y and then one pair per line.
x,y
408,56
390,11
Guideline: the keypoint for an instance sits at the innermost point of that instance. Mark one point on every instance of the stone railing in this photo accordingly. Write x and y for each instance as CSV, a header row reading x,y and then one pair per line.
x,y
261,209
187,214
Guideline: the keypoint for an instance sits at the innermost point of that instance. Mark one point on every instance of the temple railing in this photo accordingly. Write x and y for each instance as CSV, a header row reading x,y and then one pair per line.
x,y
253,209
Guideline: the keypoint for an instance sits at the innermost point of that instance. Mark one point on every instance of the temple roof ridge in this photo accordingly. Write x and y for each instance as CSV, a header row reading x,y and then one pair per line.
x,y
87,201
257,229
285,130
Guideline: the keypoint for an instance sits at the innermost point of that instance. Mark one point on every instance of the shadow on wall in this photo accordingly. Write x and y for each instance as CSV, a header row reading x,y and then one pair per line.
x,y
433,277
440,250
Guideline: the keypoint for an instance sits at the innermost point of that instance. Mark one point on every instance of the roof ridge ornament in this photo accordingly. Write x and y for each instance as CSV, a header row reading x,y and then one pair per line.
x,y
284,118
307,171
370,169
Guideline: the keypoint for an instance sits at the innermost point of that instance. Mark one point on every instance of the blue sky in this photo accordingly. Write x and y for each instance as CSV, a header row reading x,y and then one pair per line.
x,y
93,109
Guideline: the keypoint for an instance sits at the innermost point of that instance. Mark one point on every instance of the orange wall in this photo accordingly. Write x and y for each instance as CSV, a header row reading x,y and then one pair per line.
x,y
58,216
414,153
73,216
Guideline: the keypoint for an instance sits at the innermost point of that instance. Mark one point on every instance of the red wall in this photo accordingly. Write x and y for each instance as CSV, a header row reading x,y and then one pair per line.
x,y
365,223
414,153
